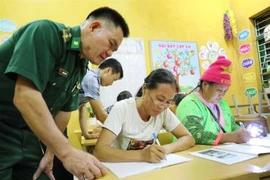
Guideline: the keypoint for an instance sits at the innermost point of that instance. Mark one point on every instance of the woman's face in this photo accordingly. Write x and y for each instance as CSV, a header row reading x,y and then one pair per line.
x,y
159,99
215,92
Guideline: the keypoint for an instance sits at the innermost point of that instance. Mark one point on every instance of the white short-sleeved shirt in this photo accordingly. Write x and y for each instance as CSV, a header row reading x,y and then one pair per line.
x,y
131,131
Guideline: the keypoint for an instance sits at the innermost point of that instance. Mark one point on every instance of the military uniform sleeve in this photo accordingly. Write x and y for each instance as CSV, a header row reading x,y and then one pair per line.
x,y
71,105
36,46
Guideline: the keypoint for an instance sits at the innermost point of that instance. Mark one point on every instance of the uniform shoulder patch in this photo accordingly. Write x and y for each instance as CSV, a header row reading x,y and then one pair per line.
x,y
66,35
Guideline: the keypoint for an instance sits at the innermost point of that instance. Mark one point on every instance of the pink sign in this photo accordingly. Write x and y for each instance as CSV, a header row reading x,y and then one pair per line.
x,y
244,48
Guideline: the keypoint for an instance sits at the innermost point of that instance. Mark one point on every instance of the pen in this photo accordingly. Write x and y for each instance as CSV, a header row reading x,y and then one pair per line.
x,y
157,141
242,125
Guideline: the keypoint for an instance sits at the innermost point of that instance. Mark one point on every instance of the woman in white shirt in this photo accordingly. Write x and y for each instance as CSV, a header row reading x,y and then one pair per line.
x,y
127,133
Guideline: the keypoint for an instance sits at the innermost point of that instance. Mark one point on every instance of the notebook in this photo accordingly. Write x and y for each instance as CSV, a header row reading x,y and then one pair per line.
x,y
231,153
125,169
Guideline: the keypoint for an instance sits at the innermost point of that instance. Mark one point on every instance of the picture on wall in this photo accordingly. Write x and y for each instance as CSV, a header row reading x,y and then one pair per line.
x,y
181,58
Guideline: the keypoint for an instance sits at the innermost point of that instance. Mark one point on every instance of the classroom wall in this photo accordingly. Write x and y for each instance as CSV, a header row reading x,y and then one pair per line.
x,y
176,20
244,12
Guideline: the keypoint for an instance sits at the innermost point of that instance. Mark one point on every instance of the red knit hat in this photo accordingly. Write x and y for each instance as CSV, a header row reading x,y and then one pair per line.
x,y
219,71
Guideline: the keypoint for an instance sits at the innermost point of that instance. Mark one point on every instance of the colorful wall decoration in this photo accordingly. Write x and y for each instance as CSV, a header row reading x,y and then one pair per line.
x,y
209,53
243,35
181,58
6,28
251,91
244,48
247,63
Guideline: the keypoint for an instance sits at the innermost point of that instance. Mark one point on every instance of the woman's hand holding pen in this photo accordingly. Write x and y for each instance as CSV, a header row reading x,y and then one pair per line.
x,y
153,153
242,135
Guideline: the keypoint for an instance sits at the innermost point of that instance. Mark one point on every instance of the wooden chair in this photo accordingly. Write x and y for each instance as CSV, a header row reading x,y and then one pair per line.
x,y
261,105
88,144
249,107
165,138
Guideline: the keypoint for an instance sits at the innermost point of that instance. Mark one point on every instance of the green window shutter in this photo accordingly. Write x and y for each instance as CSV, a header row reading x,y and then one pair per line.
x,y
263,47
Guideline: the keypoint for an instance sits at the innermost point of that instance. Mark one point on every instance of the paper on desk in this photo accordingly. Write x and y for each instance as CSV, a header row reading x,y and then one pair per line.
x,y
261,141
225,157
245,149
126,169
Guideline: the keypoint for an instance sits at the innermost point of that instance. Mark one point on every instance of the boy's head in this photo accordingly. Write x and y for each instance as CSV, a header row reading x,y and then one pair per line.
x,y
110,71
176,100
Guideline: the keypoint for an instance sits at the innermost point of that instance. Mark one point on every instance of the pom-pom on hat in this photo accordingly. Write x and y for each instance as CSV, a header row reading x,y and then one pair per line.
x,y
219,71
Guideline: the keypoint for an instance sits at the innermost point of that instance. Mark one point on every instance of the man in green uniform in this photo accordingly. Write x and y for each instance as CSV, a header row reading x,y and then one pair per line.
x,y
41,68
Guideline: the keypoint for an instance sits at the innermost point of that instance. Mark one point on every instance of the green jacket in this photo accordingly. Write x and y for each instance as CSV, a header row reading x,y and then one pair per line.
x,y
197,118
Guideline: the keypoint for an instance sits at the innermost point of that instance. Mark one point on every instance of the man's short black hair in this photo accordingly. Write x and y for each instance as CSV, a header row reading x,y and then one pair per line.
x,y
114,64
110,15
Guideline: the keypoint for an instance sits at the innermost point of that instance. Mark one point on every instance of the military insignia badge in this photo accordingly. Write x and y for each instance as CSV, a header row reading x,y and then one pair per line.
x,y
66,35
62,72
75,43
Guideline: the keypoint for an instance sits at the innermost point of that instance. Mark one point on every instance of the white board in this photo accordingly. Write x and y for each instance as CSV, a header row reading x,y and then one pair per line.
x,y
132,58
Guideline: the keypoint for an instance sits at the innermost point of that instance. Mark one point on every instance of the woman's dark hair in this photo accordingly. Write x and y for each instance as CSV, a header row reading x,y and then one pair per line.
x,y
160,76
123,95
139,93
178,98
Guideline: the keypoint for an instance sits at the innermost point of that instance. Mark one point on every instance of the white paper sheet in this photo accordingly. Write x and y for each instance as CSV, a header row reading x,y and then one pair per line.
x,y
125,169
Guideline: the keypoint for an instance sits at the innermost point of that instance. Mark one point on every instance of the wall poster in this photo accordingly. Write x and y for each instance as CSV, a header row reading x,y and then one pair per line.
x,y
181,58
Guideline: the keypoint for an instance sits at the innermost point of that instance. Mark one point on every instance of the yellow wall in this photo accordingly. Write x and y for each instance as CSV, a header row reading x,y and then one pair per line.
x,y
178,20
244,12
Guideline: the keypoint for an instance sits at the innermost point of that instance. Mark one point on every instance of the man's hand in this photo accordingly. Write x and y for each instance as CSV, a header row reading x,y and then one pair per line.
x,y
153,153
83,165
45,165
91,136
94,134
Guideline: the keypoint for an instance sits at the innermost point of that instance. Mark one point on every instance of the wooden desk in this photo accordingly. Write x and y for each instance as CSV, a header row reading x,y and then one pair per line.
x,y
88,143
203,169
90,129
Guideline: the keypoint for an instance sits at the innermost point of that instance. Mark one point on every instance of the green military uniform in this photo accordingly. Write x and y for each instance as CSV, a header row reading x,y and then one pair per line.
x,y
48,54
197,118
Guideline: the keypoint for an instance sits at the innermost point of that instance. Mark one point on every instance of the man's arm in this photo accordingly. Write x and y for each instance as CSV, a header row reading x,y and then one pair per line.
x,y
84,125
46,164
98,110
34,110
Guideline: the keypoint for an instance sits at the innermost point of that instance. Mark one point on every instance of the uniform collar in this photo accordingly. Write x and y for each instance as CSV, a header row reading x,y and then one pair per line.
x,y
75,41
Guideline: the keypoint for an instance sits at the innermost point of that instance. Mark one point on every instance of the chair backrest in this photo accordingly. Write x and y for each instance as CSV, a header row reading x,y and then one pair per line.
x,y
261,105
265,94
165,138
249,107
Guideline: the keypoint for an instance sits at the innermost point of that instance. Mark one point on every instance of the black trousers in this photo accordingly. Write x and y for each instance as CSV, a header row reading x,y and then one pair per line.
x,y
59,171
